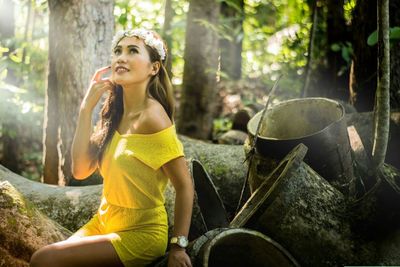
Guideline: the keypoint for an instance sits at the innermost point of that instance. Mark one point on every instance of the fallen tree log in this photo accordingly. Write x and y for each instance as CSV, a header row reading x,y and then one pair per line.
x,y
225,165
72,206
23,228
73,199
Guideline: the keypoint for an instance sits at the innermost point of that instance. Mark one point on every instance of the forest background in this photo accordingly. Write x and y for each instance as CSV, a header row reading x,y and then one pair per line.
x,y
225,57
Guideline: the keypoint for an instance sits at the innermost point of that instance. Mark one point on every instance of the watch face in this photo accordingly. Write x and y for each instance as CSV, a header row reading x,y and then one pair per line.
x,y
182,242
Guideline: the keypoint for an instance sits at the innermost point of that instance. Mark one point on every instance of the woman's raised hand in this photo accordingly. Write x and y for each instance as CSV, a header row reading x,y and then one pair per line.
x,y
97,88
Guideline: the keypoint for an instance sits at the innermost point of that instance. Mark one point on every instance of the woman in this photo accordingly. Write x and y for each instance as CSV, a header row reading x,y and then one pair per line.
x,y
136,149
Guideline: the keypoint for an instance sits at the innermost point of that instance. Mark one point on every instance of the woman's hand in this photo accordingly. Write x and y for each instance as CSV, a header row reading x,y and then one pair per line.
x,y
96,89
178,258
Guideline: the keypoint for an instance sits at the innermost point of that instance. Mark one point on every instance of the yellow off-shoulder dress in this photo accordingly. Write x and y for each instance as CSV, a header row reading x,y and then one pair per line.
x,y
132,204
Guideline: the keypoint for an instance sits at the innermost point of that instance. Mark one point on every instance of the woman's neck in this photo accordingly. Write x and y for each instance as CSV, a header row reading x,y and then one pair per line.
x,y
135,98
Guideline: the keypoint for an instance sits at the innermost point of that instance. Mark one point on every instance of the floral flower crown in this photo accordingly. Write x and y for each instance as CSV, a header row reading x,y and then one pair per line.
x,y
147,36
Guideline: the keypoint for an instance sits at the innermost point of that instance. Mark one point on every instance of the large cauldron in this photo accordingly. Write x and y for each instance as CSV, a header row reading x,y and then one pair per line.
x,y
316,122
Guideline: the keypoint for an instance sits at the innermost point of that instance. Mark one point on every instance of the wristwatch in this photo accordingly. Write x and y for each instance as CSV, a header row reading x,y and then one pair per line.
x,y
181,241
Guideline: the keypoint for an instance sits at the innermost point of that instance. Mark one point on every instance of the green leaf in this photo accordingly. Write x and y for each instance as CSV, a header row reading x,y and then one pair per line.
x,y
335,47
346,54
395,33
372,38
123,19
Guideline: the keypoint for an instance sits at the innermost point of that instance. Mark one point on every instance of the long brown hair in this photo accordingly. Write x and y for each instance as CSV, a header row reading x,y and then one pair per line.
x,y
159,87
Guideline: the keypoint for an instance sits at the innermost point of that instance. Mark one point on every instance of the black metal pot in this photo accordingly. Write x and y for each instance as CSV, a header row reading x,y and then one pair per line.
x,y
318,123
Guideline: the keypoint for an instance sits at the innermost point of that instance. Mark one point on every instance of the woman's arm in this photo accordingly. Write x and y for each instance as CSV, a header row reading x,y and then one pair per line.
x,y
83,164
180,177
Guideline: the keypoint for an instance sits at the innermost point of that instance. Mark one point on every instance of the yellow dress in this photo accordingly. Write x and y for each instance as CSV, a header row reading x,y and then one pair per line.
x,y
132,204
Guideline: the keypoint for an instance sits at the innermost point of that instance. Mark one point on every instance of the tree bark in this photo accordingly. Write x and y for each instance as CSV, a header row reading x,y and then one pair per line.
x,y
382,102
69,204
80,34
336,34
330,78
395,56
310,50
23,228
231,50
72,206
363,77
199,94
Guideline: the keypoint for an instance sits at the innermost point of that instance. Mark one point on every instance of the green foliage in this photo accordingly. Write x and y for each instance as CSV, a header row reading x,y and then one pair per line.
x,y
275,39
220,126
394,36
348,8
275,42
346,49
23,77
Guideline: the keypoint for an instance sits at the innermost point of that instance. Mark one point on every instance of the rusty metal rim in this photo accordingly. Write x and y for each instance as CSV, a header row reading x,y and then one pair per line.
x,y
232,231
256,118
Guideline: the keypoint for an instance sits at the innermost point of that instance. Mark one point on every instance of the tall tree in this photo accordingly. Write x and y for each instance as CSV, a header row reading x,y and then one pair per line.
x,y
199,74
337,34
394,7
80,34
330,78
363,74
232,16
382,107
310,49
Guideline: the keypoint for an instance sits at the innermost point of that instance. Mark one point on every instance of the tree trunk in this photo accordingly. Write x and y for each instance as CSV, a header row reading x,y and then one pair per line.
x,y
382,108
72,206
336,34
363,76
168,16
80,34
395,56
199,76
330,78
310,50
232,14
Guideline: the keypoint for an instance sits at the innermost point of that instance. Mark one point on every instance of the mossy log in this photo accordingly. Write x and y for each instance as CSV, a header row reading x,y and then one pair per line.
x,y
23,228
72,206
225,165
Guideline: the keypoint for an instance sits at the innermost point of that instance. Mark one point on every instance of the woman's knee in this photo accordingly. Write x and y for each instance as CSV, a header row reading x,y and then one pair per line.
x,y
43,257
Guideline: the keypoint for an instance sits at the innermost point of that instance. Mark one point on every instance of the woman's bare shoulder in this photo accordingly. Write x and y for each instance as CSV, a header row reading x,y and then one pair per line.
x,y
154,118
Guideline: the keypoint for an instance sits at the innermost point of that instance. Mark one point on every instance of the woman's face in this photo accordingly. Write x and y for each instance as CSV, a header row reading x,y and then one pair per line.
x,y
130,62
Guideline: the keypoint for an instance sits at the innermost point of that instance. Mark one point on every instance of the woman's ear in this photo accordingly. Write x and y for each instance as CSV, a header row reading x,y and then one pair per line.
x,y
156,68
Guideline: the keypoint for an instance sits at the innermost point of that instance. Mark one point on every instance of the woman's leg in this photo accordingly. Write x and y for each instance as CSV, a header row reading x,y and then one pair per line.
x,y
86,251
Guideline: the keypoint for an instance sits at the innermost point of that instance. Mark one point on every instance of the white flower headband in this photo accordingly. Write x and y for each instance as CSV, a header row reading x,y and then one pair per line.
x,y
147,36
